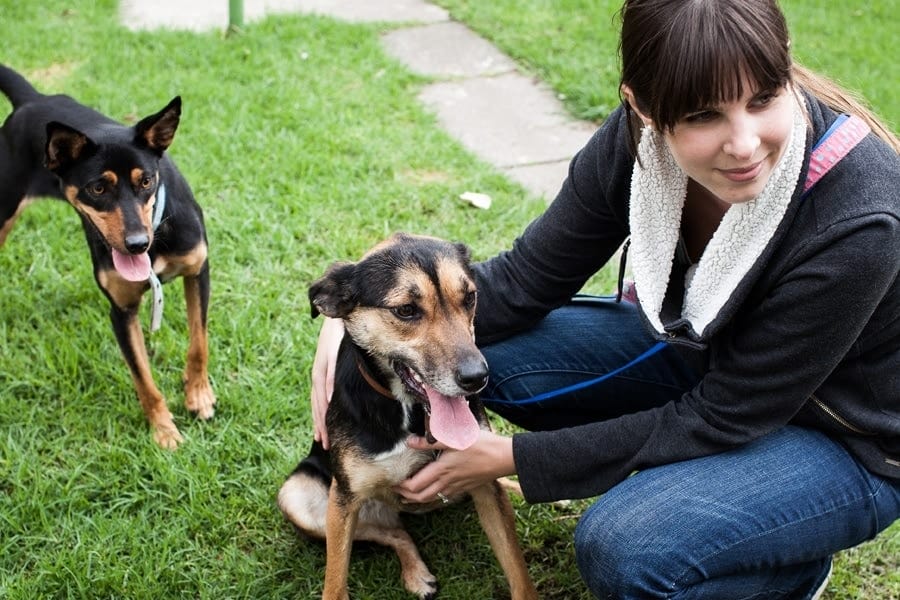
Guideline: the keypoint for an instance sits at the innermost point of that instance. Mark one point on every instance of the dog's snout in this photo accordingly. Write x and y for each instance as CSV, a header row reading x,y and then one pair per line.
x,y
472,374
137,244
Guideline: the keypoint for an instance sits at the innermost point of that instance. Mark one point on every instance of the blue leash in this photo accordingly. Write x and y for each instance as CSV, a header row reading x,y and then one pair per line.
x,y
572,388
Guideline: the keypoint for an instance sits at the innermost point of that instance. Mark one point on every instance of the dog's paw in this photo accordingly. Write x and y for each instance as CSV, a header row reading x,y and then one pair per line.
x,y
432,595
419,581
200,399
167,437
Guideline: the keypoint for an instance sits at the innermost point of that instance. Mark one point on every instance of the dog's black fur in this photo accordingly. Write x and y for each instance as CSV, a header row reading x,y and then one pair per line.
x,y
111,174
408,308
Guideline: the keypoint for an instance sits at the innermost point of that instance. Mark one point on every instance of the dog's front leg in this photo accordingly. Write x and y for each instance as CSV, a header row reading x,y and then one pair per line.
x,y
128,332
340,525
198,394
499,523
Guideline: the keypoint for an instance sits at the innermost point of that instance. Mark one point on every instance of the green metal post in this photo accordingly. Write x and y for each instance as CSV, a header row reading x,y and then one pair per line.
x,y
235,14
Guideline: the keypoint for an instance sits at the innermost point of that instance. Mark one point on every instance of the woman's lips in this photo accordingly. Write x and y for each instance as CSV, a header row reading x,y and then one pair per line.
x,y
742,174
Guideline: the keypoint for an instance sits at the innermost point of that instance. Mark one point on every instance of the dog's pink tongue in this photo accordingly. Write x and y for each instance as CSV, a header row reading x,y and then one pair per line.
x,y
451,421
133,267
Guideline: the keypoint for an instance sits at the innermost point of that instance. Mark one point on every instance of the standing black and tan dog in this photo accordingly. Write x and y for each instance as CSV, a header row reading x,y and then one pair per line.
x,y
140,218
407,365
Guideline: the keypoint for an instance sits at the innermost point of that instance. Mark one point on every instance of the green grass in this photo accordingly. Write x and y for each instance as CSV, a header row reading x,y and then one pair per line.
x,y
304,144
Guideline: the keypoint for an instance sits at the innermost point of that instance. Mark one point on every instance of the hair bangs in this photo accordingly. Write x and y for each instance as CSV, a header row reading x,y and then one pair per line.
x,y
707,60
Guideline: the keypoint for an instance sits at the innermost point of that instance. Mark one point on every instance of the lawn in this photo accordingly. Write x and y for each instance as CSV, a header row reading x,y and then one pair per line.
x,y
304,143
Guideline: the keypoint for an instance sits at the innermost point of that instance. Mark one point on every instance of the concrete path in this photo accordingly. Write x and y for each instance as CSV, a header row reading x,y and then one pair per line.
x,y
504,117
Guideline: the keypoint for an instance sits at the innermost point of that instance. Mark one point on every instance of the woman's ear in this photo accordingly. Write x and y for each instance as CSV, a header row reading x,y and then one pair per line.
x,y
629,98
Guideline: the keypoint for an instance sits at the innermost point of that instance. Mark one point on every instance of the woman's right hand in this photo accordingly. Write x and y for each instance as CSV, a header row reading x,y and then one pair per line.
x,y
330,337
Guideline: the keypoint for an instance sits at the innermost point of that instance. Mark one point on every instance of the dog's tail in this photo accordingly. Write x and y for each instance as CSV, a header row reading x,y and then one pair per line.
x,y
16,87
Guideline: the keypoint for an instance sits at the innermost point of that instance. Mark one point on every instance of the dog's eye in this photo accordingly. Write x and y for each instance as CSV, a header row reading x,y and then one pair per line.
x,y
469,300
146,182
405,312
97,188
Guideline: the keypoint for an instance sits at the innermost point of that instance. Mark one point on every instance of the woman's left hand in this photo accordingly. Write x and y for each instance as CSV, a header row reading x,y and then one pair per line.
x,y
458,471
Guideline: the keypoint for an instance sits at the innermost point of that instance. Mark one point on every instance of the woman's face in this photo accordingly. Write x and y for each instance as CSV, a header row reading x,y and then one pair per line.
x,y
731,149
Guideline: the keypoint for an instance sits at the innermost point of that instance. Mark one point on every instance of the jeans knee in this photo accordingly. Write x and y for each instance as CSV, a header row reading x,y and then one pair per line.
x,y
590,554
614,558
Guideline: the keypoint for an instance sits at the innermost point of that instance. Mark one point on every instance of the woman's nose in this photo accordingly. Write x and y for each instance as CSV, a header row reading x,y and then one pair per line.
x,y
743,139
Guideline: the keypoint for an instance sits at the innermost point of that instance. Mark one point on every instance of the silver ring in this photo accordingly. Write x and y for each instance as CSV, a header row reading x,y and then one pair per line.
x,y
443,498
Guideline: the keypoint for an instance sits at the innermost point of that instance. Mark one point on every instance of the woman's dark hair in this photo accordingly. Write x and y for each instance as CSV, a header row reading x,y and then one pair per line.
x,y
682,56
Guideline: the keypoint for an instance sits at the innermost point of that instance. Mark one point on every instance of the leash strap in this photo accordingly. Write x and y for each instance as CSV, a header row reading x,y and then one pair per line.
x,y
573,388
845,133
156,306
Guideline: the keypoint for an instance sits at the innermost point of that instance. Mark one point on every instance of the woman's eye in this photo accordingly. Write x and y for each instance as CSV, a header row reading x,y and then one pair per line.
x,y
700,116
406,311
765,98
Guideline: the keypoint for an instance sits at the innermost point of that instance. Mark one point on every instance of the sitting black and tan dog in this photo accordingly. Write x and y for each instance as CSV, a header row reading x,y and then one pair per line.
x,y
407,365
142,224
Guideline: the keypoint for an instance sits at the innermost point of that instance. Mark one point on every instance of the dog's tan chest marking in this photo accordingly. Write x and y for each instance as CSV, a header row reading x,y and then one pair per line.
x,y
372,476
123,293
169,267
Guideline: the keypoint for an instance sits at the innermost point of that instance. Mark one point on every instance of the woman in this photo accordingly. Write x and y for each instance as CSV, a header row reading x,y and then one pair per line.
x,y
765,436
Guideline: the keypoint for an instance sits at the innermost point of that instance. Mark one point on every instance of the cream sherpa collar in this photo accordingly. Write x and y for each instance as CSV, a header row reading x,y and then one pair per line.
x,y
658,188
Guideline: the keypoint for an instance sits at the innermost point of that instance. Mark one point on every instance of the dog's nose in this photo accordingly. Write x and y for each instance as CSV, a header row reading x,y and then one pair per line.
x,y
472,375
137,244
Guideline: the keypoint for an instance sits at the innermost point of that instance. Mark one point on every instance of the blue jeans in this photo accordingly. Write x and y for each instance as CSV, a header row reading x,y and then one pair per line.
x,y
760,521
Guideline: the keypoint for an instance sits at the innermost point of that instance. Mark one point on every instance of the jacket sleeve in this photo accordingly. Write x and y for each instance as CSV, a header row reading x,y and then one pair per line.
x,y
764,366
566,245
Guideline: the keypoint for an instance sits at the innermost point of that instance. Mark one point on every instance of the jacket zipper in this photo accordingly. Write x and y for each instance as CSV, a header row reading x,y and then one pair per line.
x,y
834,415
830,412
620,280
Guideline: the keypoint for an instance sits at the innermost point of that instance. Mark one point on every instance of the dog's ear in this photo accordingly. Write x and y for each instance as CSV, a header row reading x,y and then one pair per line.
x,y
157,131
464,252
333,294
65,145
